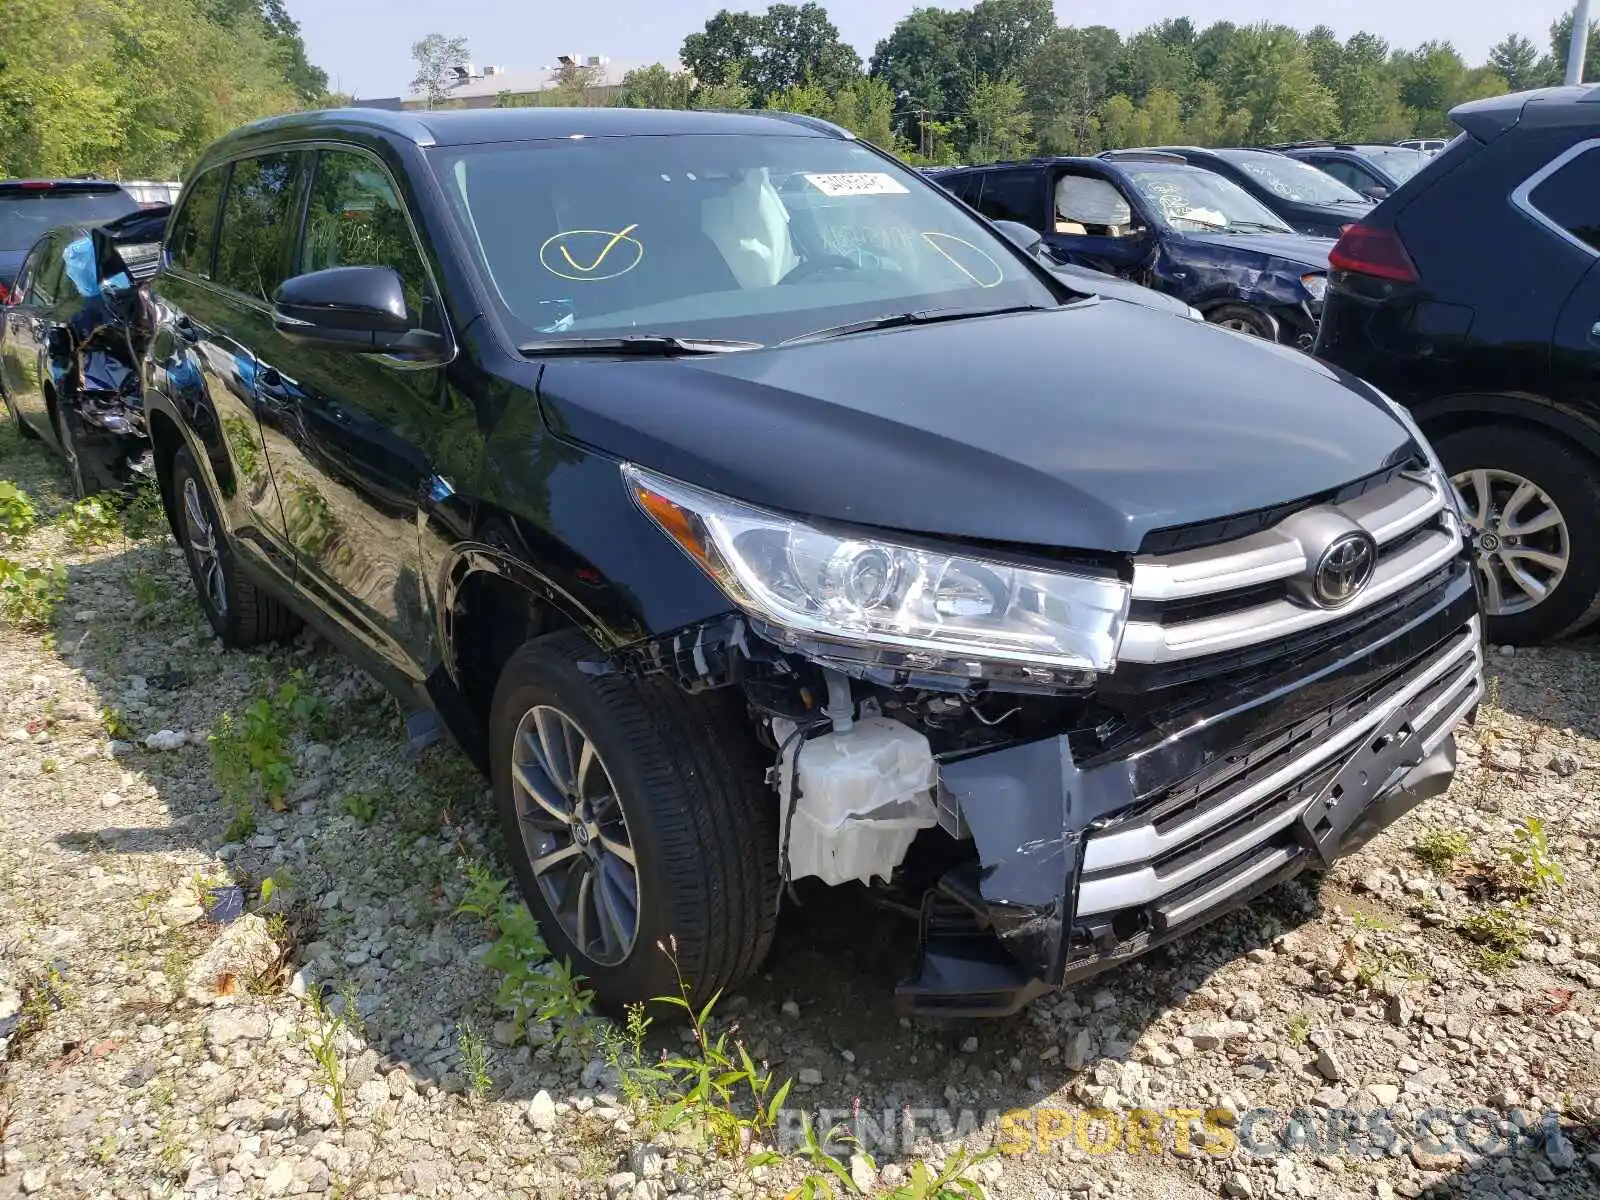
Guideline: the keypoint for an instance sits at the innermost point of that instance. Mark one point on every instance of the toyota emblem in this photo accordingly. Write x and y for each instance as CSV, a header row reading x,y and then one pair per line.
x,y
1345,569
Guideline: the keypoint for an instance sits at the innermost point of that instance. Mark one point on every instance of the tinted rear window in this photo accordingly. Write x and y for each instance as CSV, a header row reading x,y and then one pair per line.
x,y
26,215
1569,198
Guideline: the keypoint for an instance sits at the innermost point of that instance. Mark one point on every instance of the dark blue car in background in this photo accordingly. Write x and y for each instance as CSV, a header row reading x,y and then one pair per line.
x,y
1157,221
1309,200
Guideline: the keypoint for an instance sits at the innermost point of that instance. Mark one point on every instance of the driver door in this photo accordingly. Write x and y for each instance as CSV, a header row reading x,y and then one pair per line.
x,y
1094,224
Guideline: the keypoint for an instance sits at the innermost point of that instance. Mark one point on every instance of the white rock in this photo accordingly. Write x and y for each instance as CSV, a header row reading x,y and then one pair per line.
x,y
1238,1184
620,1186
1329,1066
373,1092
279,1179
167,739
862,1174
1384,1093
110,800
790,1009
646,1161
34,1180
1075,1053
969,1045
810,1077
542,1112
119,749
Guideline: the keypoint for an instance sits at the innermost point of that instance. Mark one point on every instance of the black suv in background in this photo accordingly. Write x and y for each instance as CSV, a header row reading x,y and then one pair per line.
x,y
1473,297
1375,172
1309,200
31,208
752,511
1172,228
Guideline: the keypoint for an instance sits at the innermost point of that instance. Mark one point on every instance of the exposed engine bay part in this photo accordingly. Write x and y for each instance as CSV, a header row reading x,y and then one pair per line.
x,y
854,799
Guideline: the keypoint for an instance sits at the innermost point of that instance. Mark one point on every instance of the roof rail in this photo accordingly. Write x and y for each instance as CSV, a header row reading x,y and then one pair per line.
x,y
1162,156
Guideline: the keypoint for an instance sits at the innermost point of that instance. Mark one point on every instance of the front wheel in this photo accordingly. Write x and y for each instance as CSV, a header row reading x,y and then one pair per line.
x,y
637,822
77,475
1532,504
241,614
1241,318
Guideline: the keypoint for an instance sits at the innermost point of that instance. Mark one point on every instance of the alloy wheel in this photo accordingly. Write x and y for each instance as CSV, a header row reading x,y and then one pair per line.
x,y
1519,536
576,834
201,536
1240,325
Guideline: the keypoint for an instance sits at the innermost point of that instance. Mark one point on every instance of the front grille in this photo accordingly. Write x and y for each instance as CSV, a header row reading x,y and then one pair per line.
x,y
1225,598
1227,812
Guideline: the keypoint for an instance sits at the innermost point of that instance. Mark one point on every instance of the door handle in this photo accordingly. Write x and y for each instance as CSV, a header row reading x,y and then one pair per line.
x,y
1594,332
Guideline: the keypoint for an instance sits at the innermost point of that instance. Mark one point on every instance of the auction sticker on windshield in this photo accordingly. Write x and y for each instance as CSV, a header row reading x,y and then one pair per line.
x,y
857,183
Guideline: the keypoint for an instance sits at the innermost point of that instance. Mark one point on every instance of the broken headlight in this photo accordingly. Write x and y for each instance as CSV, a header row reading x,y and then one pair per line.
x,y
935,610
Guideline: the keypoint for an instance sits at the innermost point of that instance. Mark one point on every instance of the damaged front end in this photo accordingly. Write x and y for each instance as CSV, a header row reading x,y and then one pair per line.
x,y
1111,753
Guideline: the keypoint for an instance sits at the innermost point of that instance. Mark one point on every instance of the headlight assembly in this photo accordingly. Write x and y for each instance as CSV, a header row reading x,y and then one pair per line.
x,y
928,610
1316,285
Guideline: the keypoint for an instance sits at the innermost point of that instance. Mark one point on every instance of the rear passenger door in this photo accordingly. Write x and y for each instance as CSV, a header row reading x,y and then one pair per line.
x,y
24,325
230,236
1567,200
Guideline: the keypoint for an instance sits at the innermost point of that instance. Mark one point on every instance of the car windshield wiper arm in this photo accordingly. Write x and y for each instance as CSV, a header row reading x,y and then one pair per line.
x,y
926,316
654,345
1261,225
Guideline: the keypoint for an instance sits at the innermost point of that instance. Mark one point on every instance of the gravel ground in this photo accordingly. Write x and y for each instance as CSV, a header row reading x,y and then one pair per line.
x,y
147,1049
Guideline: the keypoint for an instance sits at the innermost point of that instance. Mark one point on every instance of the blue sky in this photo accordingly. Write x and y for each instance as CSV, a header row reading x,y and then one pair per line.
x,y
365,45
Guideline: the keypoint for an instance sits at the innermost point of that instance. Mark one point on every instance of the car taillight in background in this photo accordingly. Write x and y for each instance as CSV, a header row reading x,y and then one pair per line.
x,y
1364,250
5,295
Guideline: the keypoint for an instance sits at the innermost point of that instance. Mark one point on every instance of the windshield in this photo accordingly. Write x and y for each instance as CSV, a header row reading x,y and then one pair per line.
x,y
1199,201
1292,179
1398,162
730,236
26,216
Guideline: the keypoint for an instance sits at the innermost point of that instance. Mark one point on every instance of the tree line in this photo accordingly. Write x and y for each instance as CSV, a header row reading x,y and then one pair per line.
x,y
135,89
1002,80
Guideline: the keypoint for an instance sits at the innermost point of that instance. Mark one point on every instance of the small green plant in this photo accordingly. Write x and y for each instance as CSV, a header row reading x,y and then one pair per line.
x,y
717,1088
105,1151
1439,848
1370,924
328,1032
17,512
1529,859
1499,935
116,728
1299,1029
252,752
29,595
952,1181
143,515
147,589
49,766
474,1061
638,1080
92,521
535,987
363,806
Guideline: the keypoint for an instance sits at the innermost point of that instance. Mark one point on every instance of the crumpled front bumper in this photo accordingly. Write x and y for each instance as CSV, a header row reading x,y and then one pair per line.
x,y
1082,865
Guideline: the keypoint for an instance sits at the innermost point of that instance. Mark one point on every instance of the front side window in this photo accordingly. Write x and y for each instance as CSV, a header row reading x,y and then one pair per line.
x,y
258,231
1571,197
1011,196
1290,179
1347,173
1201,202
1089,206
190,241
730,236
50,276
356,220
1397,161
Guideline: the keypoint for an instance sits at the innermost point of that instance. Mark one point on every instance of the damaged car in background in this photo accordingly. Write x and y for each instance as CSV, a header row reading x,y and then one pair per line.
x,y
1152,220
71,339
737,556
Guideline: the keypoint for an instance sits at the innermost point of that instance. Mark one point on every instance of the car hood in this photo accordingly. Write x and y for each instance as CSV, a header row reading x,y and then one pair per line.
x,y
1295,247
1082,428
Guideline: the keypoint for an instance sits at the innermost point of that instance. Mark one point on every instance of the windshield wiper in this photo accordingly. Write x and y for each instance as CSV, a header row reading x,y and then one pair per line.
x,y
1262,226
650,345
926,316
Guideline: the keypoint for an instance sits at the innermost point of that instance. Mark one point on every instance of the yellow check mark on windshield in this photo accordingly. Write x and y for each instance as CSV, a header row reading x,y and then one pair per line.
x,y
601,257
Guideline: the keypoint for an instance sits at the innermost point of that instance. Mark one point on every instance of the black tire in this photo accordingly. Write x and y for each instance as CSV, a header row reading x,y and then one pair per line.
x,y
702,824
23,428
241,614
1570,478
1244,319
78,474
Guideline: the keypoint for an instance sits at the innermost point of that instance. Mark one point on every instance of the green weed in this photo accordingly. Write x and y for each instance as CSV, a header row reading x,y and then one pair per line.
x,y
29,595
325,1037
1299,1029
116,728
252,753
17,512
474,1060
147,589
363,806
92,521
144,516
1439,848
1529,858
1499,935
535,987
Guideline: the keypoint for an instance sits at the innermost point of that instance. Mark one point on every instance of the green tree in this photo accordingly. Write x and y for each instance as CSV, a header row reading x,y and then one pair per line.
x,y
1065,82
1001,35
1517,60
784,47
437,57
1267,71
1209,123
997,124
921,62
1561,46
655,87
864,107
730,92
1148,63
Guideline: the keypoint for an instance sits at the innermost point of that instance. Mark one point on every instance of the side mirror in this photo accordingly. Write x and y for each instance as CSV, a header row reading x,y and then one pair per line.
x,y
1027,240
362,309
1376,192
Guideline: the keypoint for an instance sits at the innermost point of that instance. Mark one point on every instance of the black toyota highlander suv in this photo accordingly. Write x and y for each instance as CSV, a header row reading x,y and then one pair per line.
x,y
750,510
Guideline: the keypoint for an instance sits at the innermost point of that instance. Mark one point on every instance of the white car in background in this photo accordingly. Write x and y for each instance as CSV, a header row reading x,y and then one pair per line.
x,y
150,193
1426,145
